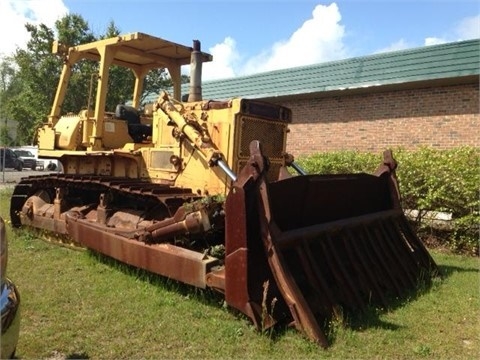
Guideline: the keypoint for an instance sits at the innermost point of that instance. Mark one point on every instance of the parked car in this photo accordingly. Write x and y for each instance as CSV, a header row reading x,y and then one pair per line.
x,y
29,160
8,159
9,302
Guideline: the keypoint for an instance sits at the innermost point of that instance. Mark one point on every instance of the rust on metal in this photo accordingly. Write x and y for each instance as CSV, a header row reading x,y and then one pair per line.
x,y
281,248
165,259
332,241
246,265
296,250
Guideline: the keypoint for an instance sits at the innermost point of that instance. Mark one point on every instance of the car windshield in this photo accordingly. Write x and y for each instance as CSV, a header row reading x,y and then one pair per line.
x,y
24,153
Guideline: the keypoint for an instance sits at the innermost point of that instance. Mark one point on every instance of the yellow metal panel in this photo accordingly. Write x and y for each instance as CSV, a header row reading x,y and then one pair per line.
x,y
115,134
46,138
142,49
67,129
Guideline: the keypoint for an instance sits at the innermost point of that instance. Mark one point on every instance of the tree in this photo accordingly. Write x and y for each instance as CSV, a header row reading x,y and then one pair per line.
x,y
156,81
121,80
7,88
7,72
28,80
32,87
5,138
34,82
73,30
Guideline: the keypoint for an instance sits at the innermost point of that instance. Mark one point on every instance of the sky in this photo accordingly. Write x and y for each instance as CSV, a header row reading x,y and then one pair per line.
x,y
250,36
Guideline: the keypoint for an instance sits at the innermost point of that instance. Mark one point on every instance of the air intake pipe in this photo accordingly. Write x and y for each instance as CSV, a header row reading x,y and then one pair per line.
x,y
195,93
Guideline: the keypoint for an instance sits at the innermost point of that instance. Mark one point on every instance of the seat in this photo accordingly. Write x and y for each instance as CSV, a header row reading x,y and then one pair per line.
x,y
138,132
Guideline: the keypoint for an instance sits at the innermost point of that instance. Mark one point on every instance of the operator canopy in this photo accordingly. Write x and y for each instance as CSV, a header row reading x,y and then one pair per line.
x,y
136,49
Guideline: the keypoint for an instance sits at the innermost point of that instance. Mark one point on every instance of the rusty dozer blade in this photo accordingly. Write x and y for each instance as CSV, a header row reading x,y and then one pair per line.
x,y
331,241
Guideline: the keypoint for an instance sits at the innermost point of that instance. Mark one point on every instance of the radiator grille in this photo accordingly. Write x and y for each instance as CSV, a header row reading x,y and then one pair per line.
x,y
270,134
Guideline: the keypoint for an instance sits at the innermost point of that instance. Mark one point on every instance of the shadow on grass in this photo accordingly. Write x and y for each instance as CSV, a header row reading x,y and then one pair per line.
x,y
78,356
205,296
357,320
362,319
448,270
60,356
371,316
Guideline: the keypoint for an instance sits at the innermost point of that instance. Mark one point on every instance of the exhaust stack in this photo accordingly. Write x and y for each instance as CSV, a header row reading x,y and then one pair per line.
x,y
195,93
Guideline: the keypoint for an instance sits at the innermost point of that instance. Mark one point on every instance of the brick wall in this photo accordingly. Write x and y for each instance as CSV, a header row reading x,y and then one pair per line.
x,y
440,117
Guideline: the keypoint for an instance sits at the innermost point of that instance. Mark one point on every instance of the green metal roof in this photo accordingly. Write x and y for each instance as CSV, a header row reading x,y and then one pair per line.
x,y
451,60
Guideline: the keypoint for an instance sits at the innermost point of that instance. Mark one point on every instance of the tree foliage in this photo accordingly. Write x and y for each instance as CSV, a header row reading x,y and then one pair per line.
x,y
120,79
73,30
29,78
7,90
35,82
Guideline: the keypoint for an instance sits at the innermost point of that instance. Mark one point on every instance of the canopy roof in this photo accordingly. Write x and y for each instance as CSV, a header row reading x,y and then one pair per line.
x,y
138,49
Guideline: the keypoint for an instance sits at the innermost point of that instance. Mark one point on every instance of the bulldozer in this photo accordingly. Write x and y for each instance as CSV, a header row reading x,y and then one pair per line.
x,y
204,192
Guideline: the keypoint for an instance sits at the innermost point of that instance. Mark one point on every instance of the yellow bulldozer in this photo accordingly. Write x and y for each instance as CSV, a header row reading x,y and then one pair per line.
x,y
204,192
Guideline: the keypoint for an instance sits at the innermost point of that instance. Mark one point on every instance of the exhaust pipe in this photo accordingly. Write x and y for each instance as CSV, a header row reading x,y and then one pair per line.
x,y
195,93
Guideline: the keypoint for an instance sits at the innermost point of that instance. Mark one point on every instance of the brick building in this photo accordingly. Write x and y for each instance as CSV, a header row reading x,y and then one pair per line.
x,y
427,96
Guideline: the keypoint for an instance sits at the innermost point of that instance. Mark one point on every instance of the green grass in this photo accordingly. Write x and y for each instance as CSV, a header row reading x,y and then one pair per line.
x,y
76,304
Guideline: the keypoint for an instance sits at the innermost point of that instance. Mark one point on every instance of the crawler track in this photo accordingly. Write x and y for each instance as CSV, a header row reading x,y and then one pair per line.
x,y
84,190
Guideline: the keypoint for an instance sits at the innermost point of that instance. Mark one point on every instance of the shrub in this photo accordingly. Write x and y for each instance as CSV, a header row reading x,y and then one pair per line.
x,y
430,181
340,162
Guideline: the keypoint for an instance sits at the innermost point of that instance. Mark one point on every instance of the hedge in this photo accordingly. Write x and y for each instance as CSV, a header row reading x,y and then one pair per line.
x,y
430,181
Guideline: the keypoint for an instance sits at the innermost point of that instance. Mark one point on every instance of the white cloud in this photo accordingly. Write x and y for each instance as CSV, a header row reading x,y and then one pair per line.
x,y
401,44
319,39
14,14
434,41
225,57
468,28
